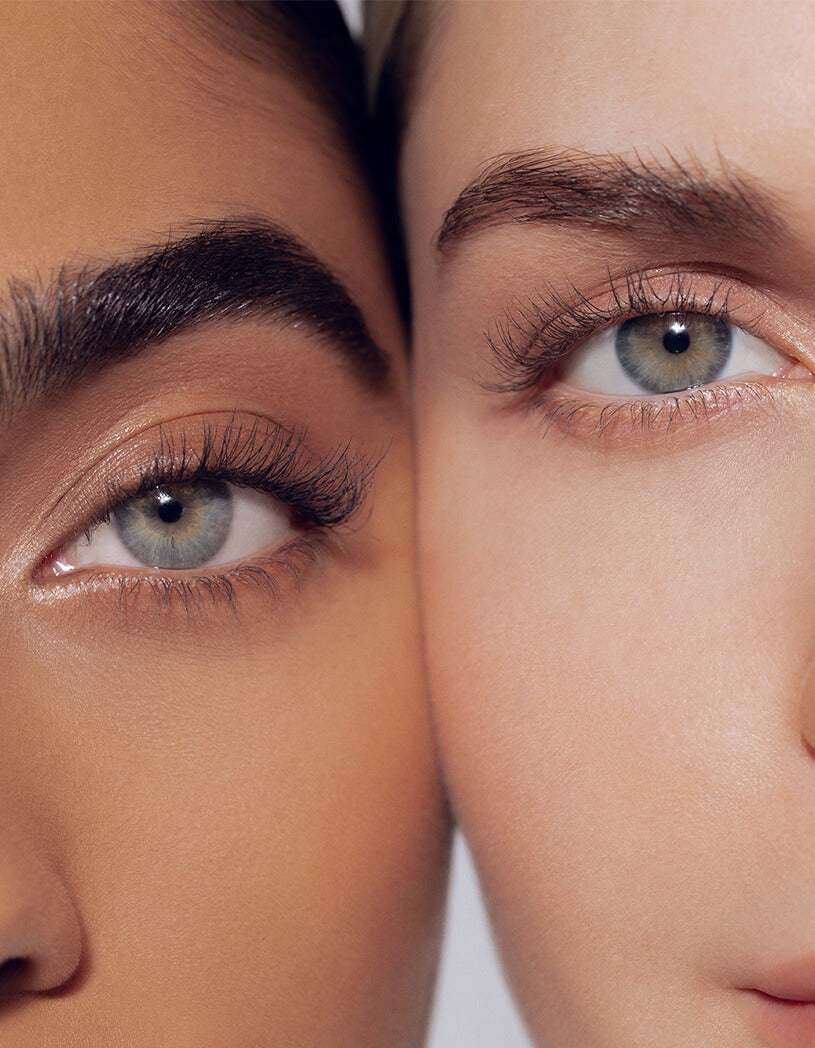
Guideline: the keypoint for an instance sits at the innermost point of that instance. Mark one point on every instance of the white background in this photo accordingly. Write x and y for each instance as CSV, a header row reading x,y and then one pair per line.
x,y
473,1007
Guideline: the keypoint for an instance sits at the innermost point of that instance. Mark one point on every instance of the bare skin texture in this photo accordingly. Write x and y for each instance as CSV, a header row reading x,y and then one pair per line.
x,y
619,593
220,816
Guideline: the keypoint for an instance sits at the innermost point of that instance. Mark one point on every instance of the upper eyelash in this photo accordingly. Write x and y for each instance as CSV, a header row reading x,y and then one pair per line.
x,y
321,492
532,338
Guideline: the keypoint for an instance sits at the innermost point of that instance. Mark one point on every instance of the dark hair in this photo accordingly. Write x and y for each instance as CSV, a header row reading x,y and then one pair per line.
x,y
396,77
311,41
392,93
327,60
308,39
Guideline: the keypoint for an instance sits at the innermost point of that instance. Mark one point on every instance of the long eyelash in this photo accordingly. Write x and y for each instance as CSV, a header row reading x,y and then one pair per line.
x,y
530,340
321,492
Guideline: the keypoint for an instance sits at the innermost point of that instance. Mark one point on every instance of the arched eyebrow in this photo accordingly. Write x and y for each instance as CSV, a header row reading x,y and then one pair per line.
x,y
54,334
646,200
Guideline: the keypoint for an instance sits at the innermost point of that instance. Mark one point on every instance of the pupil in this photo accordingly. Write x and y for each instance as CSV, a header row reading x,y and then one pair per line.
x,y
170,510
676,339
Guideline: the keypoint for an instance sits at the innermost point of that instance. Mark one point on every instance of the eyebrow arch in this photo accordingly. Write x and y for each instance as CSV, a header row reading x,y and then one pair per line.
x,y
650,200
53,335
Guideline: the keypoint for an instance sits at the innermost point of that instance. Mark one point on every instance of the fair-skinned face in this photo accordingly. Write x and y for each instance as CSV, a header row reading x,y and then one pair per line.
x,y
615,566
220,817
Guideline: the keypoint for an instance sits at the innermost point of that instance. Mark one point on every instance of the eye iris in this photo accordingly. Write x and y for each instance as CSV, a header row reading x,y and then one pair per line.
x,y
672,352
177,526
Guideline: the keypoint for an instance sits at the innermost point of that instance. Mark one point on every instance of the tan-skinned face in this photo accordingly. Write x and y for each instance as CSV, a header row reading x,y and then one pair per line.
x,y
620,610
220,822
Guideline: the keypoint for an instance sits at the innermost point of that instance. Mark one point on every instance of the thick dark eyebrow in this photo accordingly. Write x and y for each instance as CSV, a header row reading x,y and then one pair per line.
x,y
647,200
54,334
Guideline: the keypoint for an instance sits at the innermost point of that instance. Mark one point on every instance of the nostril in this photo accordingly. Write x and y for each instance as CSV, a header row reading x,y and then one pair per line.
x,y
40,935
13,972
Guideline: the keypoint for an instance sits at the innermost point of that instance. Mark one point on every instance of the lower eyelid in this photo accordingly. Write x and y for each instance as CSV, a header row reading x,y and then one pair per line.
x,y
657,423
273,579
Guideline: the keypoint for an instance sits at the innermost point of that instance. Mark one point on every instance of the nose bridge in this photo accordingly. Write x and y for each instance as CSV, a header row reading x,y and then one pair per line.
x,y
40,933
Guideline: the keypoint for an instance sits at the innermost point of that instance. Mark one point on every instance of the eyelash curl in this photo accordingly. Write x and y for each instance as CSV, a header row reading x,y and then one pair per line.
x,y
321,494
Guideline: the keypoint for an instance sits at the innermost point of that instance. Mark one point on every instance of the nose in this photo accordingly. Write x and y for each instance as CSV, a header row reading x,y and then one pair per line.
x,y
40,933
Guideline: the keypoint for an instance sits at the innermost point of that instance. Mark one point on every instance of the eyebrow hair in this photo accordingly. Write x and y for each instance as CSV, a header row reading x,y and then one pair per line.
x,y
647,199
82,321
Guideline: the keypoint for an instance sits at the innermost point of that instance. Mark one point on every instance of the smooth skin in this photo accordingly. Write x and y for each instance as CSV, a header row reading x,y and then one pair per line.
x,y
220,827
620,618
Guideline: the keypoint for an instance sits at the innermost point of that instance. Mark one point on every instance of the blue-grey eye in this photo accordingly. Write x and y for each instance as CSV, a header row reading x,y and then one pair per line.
x,y
663,354
179,526
667,353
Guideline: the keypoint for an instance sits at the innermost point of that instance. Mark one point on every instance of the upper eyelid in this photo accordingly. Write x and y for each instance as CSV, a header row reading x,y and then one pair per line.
x,y
235,452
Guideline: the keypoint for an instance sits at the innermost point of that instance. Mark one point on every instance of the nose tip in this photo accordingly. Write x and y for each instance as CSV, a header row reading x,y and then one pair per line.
x,y
40,934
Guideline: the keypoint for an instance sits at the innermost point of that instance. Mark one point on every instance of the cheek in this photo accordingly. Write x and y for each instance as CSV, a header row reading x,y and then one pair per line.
x,y
270,813
615,648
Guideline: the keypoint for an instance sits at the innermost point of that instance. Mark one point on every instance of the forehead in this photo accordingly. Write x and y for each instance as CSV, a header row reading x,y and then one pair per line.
x,y
122,121
725,79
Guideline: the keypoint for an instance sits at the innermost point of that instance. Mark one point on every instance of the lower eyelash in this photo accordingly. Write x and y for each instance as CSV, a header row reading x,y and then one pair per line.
x,y
627,419
274,577
270,576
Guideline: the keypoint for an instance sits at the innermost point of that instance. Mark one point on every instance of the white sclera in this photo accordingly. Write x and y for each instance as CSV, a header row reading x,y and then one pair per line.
x,y
259,524
595,368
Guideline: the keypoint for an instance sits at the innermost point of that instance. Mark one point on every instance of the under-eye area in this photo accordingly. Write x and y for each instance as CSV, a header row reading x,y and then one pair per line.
x,y
197,509
652,352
